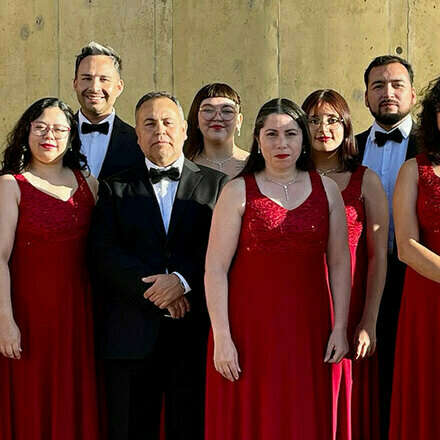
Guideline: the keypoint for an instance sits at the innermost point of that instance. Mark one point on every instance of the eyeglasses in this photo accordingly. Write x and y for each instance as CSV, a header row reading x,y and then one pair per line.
x,y
41,129
330,121
226,113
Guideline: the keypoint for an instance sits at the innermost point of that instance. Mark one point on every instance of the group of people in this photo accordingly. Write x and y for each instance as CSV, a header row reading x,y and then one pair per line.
x,y
162,282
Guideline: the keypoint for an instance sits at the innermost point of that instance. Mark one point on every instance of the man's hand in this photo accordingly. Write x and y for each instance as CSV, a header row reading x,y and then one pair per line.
x,y
179,308
165,290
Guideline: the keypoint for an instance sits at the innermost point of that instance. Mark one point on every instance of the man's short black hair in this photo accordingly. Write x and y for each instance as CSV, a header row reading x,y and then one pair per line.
x,y
388,59
94,48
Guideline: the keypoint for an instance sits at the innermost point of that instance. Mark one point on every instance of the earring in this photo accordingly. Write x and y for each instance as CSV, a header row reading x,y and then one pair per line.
x,y
24,147
259,150
238,131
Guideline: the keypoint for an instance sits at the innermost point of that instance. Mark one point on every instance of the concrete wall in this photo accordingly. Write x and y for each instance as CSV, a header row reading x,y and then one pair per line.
x,y
263,48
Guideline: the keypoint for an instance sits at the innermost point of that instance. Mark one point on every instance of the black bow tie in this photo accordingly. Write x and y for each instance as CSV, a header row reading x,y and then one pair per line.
x,y
156,175
381,138
90,128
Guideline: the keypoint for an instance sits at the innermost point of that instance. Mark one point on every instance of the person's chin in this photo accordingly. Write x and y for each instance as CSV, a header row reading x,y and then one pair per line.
x,y
389,118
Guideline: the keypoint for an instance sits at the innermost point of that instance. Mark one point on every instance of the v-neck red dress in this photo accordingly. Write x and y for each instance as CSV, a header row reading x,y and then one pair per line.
x,y
50,394
280,319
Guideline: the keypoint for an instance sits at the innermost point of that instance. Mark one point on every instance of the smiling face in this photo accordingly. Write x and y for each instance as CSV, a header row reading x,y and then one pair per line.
x,y
390,95
326,127
161,131
280,140
97,85
218,118
45,148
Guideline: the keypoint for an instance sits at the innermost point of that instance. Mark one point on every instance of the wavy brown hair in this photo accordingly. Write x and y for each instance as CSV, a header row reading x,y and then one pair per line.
x,y
428,133
348,153
17,155
194,143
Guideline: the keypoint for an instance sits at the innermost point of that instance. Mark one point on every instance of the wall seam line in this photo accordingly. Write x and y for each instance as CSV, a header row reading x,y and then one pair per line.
x,y
279,48
58,50
408,29
154,46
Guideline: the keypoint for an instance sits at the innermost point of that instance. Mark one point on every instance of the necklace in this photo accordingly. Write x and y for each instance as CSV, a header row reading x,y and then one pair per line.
x,y
218,163
322,172
285,186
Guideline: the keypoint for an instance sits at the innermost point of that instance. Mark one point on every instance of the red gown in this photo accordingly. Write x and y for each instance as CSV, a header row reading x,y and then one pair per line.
x,y
50,394
280,319
415,402
356,383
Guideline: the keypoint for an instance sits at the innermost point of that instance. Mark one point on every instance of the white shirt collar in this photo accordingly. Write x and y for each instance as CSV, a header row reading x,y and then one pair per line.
x,y
178,164
404,126
110,119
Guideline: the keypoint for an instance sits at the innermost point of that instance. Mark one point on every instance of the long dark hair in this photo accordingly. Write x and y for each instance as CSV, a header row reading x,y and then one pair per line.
x,y
17,154
428,133
194,142
348,154
280,106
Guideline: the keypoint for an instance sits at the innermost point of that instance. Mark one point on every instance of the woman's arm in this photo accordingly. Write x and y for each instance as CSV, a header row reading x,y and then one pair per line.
x,y
223,239
338,262
93,184
10,344
377,220
411,252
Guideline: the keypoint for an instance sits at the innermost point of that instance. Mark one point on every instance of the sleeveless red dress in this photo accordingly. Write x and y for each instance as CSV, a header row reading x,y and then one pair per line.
x,y
280,319
415,402
50,394
356,383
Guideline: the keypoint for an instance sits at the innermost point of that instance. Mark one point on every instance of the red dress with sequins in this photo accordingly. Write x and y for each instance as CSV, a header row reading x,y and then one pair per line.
x,y
415,402
50,394
356,383
280,319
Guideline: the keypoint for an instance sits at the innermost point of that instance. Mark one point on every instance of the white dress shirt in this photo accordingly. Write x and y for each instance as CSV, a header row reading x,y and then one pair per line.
x,y
386,162
165,191
94,145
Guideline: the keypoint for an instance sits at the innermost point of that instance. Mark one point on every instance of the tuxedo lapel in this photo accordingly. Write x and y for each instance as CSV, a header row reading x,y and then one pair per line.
x,y
188,182
112,155
412,143
148,207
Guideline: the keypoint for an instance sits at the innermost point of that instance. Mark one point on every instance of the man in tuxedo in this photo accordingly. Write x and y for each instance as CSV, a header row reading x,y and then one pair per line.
x,y
148,242
390,141
108,142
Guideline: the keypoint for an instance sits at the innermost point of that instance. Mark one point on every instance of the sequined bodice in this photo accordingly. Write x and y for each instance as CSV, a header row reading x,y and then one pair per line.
x,y
268,227
428,204
354,206
44,219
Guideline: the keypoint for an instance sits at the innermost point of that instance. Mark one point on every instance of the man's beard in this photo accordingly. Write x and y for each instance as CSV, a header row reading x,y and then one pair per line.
x,y
389,118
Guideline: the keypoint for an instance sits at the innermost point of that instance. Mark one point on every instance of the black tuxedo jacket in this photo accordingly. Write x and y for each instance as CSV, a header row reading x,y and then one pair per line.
x,y
361,141
128,242
123,151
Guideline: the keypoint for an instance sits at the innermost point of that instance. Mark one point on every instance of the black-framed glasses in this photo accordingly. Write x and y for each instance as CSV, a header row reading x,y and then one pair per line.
x,y
41,129
330,121
208,113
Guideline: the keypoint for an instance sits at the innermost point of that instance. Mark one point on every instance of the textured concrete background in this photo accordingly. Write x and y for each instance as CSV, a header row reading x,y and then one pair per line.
x,y
263,48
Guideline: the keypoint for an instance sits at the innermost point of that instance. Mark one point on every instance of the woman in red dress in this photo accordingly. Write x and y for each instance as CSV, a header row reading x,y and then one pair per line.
x,y
276,230
415,402
47,371
356,411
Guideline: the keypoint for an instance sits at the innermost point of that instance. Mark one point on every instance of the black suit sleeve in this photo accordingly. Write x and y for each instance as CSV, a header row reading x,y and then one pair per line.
x,y
115,272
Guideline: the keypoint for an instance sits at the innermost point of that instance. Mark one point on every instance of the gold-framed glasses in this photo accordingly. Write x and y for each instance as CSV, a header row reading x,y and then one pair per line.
x,y
41,129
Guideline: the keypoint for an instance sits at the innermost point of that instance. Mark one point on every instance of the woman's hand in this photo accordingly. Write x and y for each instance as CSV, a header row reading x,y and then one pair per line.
x,y
226,358
365,339
10,339
337,346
